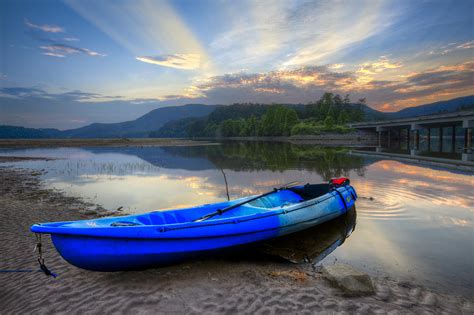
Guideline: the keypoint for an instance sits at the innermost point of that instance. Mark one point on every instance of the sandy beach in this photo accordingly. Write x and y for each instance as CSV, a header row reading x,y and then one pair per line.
x,y
237,284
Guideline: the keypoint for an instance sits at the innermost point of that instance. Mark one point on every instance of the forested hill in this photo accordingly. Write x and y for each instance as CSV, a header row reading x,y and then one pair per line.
x,y
330,113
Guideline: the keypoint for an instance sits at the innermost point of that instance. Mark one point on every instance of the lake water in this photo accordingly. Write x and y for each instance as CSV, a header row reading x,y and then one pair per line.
x,y
414,222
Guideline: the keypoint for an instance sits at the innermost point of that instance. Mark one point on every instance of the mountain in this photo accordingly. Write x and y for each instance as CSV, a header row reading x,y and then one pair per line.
x,y
15,132
174,117
141,126
455,104
372,114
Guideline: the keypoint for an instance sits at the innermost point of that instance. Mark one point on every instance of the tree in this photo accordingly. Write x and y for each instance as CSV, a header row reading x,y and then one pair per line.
x,y
329,122
347,100
230,128
327,100
290,120
278,121
331,112
338,100
343,117
250,129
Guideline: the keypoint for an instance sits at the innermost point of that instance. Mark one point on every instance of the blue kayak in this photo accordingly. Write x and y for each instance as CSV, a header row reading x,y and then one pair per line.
x,y
162,237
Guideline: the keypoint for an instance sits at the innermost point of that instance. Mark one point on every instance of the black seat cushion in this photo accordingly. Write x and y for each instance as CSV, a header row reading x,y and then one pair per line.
x,y
311,191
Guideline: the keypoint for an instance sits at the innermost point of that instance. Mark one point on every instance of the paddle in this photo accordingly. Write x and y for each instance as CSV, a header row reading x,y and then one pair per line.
x,y
221,211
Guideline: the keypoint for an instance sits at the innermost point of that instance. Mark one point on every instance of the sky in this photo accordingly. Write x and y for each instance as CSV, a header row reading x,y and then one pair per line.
x,y
66,64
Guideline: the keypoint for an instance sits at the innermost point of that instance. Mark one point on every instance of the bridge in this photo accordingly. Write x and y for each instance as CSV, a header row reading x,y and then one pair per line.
x,y
445,135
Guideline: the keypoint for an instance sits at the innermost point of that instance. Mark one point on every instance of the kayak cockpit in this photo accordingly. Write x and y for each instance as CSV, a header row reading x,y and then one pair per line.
x,y
271,202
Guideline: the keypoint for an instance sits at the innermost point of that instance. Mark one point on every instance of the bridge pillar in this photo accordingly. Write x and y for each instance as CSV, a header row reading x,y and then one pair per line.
x,y
415,138
379,131
468,125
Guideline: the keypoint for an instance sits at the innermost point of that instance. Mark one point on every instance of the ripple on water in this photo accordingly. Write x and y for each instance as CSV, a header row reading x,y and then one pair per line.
x,y
392,202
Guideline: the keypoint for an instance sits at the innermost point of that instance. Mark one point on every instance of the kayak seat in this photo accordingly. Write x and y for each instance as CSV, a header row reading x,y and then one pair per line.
x,y
311,191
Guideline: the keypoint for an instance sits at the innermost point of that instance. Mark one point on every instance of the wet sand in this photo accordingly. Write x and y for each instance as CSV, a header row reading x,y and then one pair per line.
x,y
235,284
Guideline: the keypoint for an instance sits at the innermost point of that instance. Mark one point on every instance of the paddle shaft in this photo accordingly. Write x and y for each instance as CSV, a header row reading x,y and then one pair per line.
x,y
221,211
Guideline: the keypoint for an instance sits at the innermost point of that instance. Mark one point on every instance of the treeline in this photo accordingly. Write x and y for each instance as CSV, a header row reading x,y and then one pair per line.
x,y
330,113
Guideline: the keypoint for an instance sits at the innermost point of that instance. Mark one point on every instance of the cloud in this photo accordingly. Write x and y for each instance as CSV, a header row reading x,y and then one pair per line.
x,y
283,35
466,45
148,26
33,107
45,27
54,46
378,66
37,93
52,54
61,50
305,84
21,92
446,49
368,71
336,66
179,61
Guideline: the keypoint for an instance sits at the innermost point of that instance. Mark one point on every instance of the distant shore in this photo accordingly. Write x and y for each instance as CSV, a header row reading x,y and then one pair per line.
x,y
235,284
115,142
327,139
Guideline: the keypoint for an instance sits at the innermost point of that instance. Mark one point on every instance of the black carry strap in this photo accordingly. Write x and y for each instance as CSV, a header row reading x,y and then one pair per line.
x,y
342,197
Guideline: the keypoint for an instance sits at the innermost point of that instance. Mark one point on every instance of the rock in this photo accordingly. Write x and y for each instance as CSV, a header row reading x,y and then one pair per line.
x,y
383,293
415,293
430,299
351,281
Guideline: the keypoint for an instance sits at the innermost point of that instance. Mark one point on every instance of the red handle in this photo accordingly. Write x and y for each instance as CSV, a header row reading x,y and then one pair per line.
x,y
339,181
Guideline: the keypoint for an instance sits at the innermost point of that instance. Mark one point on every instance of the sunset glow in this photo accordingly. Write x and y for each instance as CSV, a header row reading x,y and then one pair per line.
x,y
126,58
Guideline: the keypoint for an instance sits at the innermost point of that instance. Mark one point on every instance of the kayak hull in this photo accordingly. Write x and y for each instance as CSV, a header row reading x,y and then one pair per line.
x,y
138,247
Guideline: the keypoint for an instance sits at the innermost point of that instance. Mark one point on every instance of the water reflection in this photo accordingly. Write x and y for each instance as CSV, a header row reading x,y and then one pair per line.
x,y
314,244
414,220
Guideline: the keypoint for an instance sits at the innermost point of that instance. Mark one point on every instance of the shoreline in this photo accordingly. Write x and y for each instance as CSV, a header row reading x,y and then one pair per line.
x,y
236,284
119,142
358,139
